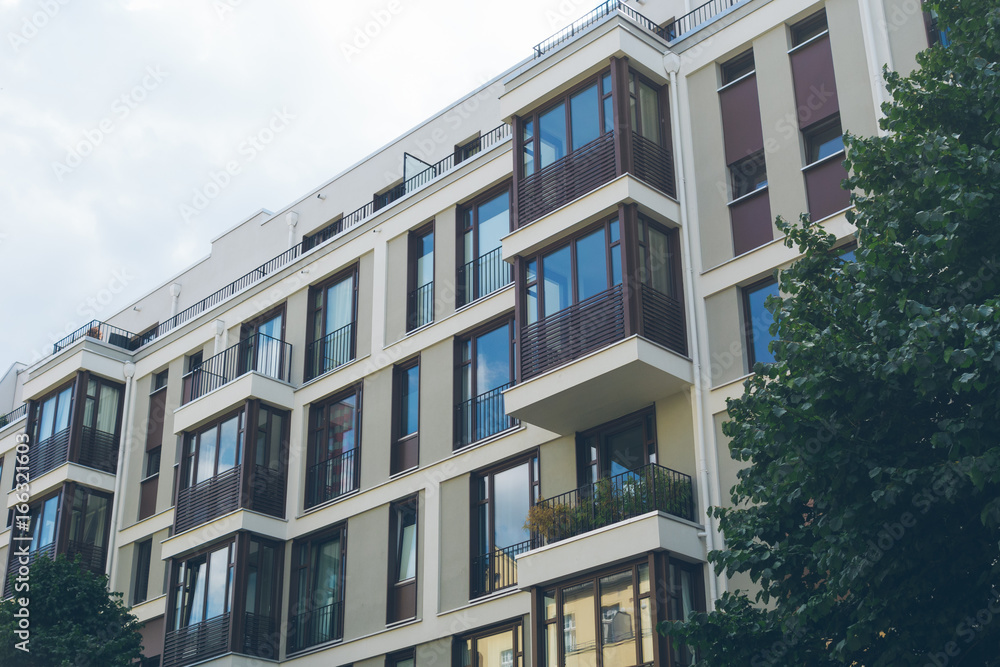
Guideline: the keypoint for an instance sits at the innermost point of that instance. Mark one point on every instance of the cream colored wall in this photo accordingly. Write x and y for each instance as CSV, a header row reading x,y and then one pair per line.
x,y
557,466
437,400
850,66
367,567
454,542
376,428
726,356
675,434
904,23
397,271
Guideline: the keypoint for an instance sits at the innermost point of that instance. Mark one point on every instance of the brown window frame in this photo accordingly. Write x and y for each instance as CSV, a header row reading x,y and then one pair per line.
x,y
320,311
809,28
570,241
735,68
745,176
398,657
302,549
405,448
35,407
317,428
189,455
175,605
748,317
813,139
481,497
461,364
564,99
402,593
663,126
515,627
141,562
414,242
590,469
467,221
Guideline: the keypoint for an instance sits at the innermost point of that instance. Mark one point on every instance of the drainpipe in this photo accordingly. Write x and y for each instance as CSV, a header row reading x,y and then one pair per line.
x,y
672,64
876,34
124,447
175,293
220,336
292,219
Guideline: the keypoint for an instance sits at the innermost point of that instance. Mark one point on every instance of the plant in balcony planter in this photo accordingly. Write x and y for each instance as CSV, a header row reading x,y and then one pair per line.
x,y
94,332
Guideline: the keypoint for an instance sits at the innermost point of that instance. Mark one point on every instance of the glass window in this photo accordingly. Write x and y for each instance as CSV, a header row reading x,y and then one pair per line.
x,y
409,400
738,67
592,265
823,140
53,414
332,464
492,648
758,321
806,29
406,420
403,566
644,104
617,447
420,306
204,587
485,369
213,450
748,175
501,502
552,135
140,579
316,616
331,324
481,269
585,116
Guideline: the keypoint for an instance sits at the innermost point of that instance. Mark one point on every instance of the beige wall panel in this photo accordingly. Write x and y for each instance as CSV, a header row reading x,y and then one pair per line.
x,y
728,467
376,427
557,466
445,239
454,543
367,569
675,434
709,164
850,66
436,402
366,276
779,122
725,337
396,284
904,20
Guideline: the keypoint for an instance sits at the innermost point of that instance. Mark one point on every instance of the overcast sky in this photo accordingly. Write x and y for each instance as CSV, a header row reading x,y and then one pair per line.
x,y
114,112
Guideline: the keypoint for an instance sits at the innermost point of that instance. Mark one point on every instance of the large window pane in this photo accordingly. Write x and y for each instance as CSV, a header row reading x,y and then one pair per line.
x,y
206,455
759,320
407,546
326,588
552,134
591,265
62,410
578,626
649,110
496,650
195,605
617,626
229,444
339,305
557,274
626,450
512,500
493,359
218,571
529,148
660,277
409,401
584,116
425,260
107,413
494,223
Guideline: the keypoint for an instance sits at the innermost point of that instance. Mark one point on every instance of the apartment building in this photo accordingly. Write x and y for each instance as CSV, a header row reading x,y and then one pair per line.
x,y
474,419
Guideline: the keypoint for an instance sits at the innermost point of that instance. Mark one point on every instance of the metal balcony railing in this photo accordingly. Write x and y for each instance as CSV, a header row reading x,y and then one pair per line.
x,y
196,642
332,478
696,17
420,307
98,330
315,626
497,570
482,417
49,454
13,415
207,500
98,449
612,500
14,564
331,351
258,353
483,276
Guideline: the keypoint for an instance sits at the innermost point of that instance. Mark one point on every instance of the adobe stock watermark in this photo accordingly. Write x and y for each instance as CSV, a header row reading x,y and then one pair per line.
x,y
248,149
223,8
967,630
20,542
32,25
121,108
363,35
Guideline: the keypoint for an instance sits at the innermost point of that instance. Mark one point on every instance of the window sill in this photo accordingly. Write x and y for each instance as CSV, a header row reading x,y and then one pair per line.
x,y
842,153
749,195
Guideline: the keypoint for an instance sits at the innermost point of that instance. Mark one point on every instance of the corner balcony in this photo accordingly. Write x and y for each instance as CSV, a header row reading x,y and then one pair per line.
x,y
259,353
647,509
93,448
586,364
253,487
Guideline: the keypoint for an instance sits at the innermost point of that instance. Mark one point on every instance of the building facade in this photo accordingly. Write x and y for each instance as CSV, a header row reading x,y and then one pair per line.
x,y
476,418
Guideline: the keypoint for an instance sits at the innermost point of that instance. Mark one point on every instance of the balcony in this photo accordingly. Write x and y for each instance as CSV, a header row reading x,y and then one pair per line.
x,y
14,564
49,454
420,307
196,642
332,478
496,571
259,353
315,626
482,417
618,518
483,276
222,494
330,352
111,335
14,415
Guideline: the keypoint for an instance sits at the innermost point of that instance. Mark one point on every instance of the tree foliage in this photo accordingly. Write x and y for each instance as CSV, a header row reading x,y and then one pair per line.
x,y
869,510
73,621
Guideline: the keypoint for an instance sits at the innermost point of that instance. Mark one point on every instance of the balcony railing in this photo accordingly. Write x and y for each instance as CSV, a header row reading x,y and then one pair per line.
x,y
592,17
696,17
13,415
663,320
112,335
267,491
566,179
420,306
92,556
258,353
481,417
497,570
613,500
653,164
98,449
483,276
261,636
196,642
207,500
332,478
14,564
49,454
331,351
316,626
572,332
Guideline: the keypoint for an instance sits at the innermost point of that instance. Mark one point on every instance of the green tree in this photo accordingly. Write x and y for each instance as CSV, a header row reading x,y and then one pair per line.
x,y
868,512
73,620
